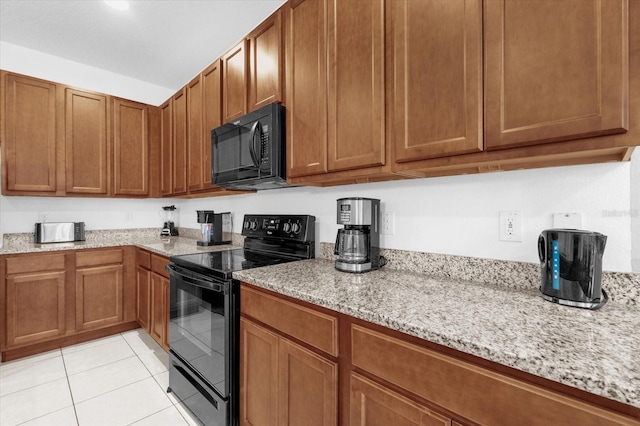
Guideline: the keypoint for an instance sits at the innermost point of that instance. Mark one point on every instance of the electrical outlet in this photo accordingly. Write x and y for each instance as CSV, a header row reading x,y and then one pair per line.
x,y
510,226
388,223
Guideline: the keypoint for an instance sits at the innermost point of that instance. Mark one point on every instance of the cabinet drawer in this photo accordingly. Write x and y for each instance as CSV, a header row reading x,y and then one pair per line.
x,y
143,258
158,264
481,395
35,263
312,327
98,257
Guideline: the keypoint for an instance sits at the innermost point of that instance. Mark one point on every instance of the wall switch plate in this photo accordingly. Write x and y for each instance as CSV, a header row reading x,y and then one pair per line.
x,y
510,226
388,223
567,220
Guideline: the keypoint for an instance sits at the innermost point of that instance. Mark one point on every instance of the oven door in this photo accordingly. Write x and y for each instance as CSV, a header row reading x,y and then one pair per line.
x,y
202,327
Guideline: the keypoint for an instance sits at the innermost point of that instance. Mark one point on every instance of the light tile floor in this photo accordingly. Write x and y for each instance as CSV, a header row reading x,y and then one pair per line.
x,y
117,380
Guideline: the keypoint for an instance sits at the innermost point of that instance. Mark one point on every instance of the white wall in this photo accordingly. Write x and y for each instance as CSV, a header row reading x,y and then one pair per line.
x,y
453,215
47,67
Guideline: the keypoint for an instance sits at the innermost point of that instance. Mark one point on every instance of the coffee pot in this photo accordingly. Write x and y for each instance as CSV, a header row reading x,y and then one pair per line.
x,y
358,243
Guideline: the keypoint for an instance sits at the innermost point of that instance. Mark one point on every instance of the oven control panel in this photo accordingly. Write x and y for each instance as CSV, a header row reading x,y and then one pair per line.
x,y
294,227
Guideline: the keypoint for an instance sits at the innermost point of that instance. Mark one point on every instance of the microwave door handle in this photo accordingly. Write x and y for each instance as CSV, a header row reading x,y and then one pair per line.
x,y
252,150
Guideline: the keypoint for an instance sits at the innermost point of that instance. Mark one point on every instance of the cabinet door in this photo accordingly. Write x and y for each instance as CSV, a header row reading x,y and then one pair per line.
x,y
211,115
306,95
265,62
195,146
30,142
179,151
166,144
307,388
130,148
374,405
143,298
160,310
554,70
258,375
234,82
437,80
86,142
35,307
356,50
99,296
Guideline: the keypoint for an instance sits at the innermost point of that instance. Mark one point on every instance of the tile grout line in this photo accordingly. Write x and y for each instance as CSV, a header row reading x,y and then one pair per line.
x,y
73,402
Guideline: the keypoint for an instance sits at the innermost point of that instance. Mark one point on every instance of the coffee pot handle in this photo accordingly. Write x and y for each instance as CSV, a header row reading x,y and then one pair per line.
x,y
335,248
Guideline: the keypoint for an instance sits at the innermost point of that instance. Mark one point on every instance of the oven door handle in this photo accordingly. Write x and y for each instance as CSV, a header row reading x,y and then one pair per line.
x,y
196,279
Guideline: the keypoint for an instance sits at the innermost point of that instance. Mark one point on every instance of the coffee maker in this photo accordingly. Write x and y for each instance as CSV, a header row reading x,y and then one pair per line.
x,y
571,267
168,229
358,243
215,227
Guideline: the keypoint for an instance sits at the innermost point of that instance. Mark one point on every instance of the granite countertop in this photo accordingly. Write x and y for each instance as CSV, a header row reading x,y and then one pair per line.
x,y
148,239
596,351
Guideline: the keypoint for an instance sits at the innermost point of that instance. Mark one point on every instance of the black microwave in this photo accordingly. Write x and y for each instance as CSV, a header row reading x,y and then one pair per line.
x,y
249,153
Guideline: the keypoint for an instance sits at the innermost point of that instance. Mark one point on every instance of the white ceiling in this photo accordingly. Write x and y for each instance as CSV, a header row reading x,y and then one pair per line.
x,y
162,42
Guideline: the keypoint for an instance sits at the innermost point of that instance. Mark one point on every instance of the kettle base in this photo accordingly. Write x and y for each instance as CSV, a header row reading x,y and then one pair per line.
x,y
576,304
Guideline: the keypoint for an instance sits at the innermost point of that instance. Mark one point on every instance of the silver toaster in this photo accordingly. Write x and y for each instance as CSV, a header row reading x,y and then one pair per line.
x,y
59,232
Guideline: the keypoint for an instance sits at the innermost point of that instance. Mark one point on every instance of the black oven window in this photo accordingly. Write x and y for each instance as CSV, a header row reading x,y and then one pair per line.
x,y
197,331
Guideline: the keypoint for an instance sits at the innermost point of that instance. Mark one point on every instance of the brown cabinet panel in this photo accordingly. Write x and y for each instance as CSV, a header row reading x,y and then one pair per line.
x,y
473,392
258,375
159,328
306,95
158,265
211,114
195,145
310,326
179,151
265,62
166,147
307,388
35,307
35,263
99,257
554,70
143,298
99,296
234,82
437,80
87,142
375,405
31,141
143,258
130,148
356,49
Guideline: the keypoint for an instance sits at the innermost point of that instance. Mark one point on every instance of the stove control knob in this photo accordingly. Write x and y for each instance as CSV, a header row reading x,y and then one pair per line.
x,y
246,224
286,227
253,226
295,228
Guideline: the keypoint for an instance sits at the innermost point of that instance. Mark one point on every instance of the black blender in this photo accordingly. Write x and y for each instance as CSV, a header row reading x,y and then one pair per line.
x,y
169,229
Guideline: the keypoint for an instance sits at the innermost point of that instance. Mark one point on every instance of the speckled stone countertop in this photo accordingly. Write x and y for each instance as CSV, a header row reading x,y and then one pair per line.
x,y
596,351
148,239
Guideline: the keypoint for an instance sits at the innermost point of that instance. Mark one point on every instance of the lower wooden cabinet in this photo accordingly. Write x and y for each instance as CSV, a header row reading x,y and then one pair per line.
x,y
143,298
159,327
282,383
35,307
61,298
375,405
152,296
99,288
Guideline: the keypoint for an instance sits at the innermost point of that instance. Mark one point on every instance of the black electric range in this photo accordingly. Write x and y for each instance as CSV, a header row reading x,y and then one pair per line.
x,y
204,312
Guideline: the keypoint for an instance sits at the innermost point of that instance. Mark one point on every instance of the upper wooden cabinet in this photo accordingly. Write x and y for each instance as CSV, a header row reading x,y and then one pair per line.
x,y
234,82
179,143
437,78
554,70
166,147
211,115
87,142
130,148
306,95
195,135
266,62
30,146
356,96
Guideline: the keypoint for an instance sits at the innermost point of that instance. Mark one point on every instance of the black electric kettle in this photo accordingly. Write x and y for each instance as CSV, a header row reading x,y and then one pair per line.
x,y
571,267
